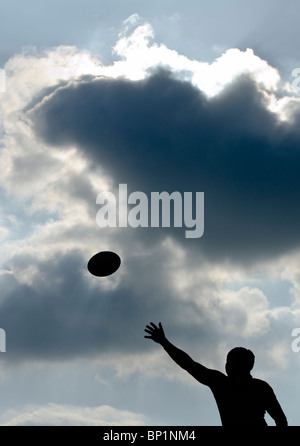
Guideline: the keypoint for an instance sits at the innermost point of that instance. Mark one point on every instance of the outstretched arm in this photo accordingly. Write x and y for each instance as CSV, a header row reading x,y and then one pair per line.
x,y
198,371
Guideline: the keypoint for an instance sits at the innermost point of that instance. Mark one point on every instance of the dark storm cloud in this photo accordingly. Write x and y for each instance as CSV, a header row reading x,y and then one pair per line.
x,y
162,134
58,316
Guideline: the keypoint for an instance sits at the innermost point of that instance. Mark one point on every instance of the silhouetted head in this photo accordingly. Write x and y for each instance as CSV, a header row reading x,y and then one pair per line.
x,y
240,362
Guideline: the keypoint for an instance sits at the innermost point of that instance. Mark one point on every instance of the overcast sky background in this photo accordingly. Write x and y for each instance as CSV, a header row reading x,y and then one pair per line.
x,y
160,97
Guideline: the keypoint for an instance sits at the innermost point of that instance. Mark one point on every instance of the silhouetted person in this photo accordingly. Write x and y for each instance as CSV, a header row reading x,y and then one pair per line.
x,y
241,399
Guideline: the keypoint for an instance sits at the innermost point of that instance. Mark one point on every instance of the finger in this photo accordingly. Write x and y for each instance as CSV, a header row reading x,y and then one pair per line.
x,y
148,331
149,328
148,337
153,325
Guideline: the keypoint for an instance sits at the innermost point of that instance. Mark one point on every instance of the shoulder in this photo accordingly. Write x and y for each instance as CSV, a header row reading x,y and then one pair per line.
x,y
205,375
262,385
215,378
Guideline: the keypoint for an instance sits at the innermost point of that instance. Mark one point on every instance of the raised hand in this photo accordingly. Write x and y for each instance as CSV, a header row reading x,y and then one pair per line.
x,y
156,332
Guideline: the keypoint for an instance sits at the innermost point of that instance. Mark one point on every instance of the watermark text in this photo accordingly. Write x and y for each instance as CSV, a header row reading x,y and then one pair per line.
x,y
296,342
2,81
160,210
296,81
2,341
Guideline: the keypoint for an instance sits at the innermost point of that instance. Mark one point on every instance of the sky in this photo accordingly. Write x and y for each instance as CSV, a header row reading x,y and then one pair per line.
x,y
159,96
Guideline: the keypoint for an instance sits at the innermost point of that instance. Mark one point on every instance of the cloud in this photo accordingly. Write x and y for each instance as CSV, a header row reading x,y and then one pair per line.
x,y
140,54
179,128
244,312
162,133
124,128
156,120
68,415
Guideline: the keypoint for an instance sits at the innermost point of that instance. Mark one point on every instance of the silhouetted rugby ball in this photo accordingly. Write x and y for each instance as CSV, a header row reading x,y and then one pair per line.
x,y
104,263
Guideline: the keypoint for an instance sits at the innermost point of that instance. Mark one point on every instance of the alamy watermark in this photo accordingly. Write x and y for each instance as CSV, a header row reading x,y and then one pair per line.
x,y
2,341
296,342
155,211
296,81
2,81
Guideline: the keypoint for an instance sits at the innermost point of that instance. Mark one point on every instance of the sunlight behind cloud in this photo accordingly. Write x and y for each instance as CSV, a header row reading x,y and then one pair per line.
x,y
57,186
